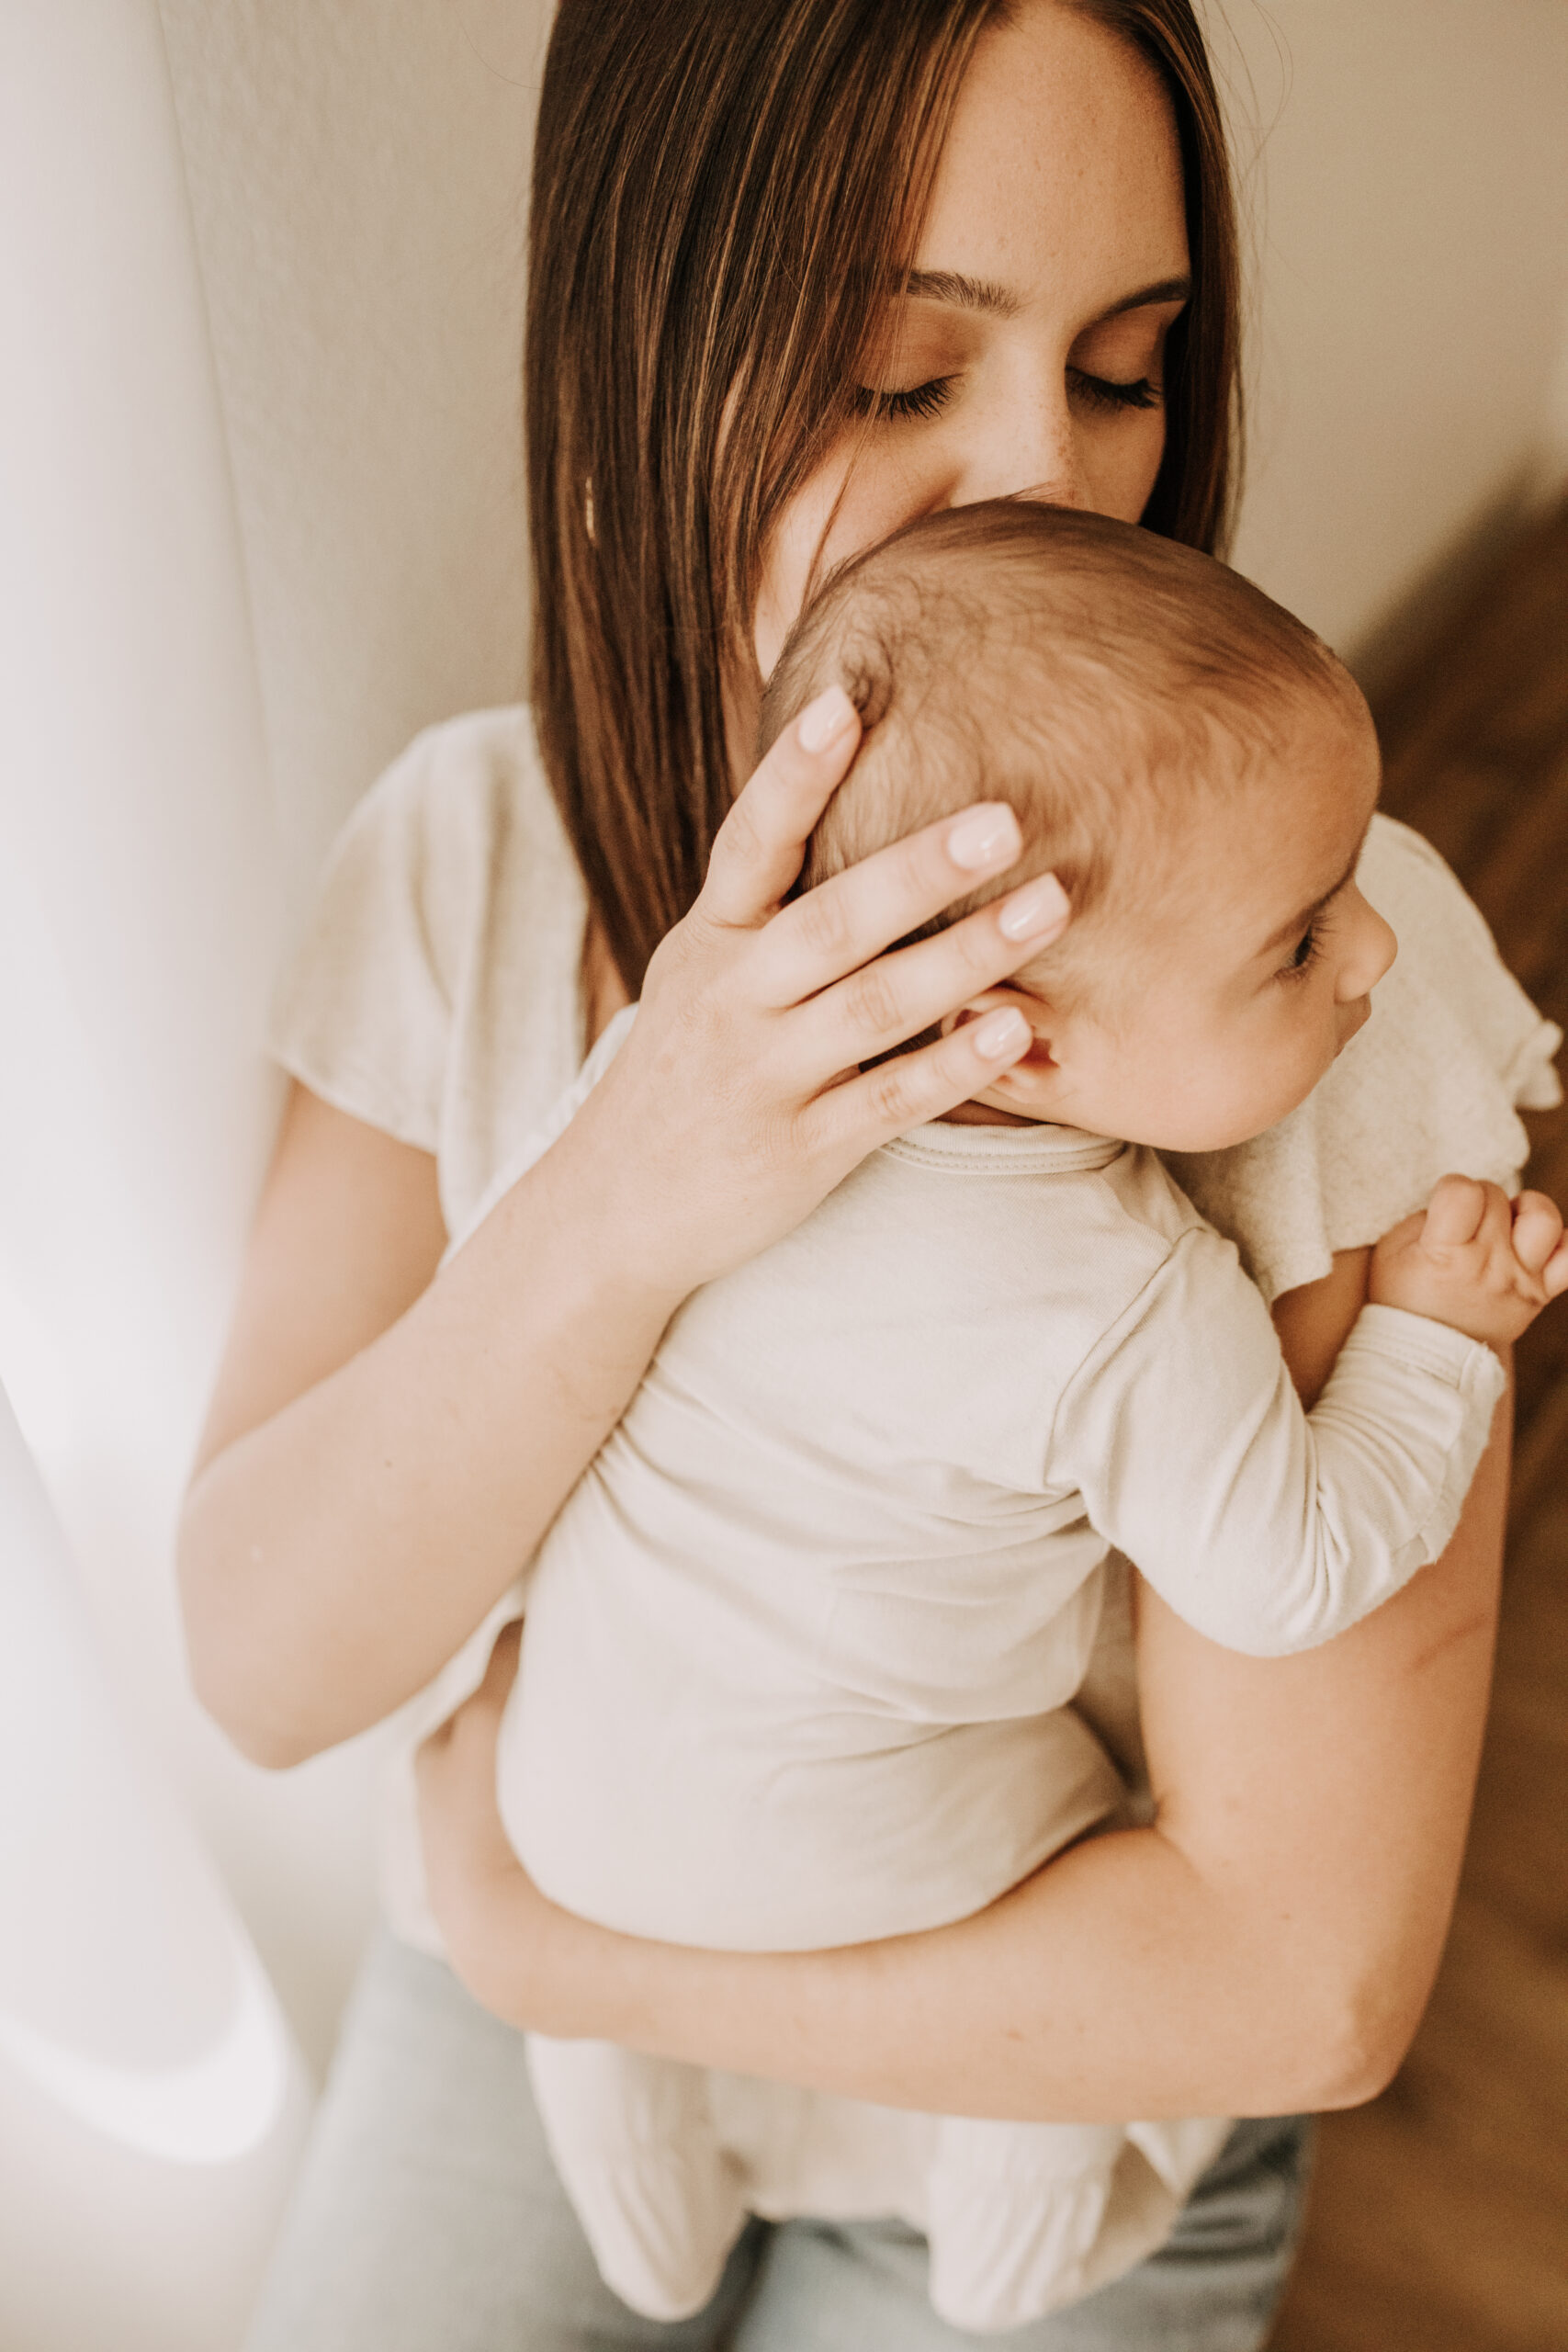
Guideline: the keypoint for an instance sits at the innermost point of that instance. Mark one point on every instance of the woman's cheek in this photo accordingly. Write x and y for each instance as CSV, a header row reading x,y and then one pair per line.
x,y
844,508
790,561
1123,483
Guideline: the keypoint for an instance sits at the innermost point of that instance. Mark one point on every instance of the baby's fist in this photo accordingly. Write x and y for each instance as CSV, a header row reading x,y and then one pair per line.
x,y
1474,1259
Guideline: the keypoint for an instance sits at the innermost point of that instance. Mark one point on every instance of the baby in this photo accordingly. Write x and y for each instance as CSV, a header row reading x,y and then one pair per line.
x,y
801,1644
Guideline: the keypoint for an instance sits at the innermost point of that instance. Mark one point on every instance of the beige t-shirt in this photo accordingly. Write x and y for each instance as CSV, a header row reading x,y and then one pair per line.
x,y
436,996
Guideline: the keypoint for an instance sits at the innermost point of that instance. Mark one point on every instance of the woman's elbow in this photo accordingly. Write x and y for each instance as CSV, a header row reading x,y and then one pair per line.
x,y
1347,2033
223,1660
265,1735
275,1747
1376,2028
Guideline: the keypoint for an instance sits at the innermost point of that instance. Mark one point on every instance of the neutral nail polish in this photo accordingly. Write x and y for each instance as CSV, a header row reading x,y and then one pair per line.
x,y
986,837
823,721
1000,1033
1039,907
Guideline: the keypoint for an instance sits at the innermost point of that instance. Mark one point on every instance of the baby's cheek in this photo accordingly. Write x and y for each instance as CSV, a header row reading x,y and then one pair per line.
x,y
1312,1058
1283,1077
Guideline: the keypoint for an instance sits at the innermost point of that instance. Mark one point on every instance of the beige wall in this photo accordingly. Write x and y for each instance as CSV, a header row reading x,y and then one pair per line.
x,y
1408,202
357,178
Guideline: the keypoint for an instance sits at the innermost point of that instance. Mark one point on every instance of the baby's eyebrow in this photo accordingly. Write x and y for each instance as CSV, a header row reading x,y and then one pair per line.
x,y
1298,923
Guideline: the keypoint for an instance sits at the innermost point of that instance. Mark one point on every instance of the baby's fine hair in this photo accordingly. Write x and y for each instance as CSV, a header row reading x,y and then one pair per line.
x,y
1093,676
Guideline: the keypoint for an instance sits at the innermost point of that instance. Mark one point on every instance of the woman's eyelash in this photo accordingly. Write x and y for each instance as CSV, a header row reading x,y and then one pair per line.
x,y
916,400
928,399
1104,391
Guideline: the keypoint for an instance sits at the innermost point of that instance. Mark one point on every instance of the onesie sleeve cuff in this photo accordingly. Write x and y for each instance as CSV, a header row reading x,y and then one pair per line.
x,y
1425,1346
1472,1370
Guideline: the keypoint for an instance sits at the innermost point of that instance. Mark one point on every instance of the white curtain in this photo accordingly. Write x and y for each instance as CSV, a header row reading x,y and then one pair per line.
x,y
150,2101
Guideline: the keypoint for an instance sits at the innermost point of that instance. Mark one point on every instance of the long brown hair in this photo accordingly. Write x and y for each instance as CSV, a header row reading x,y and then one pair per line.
x,y
723,192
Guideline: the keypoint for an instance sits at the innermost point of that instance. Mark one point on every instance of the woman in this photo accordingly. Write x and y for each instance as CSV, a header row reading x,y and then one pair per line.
x,y
799,272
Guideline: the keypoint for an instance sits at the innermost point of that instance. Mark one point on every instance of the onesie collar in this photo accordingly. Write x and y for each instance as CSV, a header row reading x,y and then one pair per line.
x,y
1005,1152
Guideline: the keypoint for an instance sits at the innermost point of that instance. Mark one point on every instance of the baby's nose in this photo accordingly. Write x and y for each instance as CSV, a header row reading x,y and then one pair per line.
x,y
1374,950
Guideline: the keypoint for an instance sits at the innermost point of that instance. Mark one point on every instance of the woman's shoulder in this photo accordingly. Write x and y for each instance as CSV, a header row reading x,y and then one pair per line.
x,y
451,888
1435,1081
465,796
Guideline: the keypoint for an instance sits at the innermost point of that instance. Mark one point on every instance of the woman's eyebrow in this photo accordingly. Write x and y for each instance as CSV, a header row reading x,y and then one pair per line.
x,y
963,293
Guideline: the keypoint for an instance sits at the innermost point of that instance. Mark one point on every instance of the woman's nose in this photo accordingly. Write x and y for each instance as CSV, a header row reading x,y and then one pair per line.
x,y
1372,951
1029,449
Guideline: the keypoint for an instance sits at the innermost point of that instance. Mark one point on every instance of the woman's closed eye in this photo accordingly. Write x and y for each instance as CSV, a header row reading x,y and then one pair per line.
x,y
925,399
923,402
1105,392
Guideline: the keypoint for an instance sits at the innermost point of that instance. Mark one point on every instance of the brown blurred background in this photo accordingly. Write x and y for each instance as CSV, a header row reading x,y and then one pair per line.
x,y
1439,2216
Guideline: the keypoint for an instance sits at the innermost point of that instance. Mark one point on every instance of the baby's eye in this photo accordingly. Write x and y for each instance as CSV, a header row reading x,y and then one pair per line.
x,y
1305,955
914,400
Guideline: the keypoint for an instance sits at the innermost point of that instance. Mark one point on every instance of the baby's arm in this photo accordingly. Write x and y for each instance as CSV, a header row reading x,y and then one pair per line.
x,y
1474,1259
1267,1529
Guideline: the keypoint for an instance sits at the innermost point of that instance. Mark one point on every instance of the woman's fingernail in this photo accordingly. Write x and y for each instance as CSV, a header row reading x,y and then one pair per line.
x,y
1000,1033
1037,912
823,721
985,837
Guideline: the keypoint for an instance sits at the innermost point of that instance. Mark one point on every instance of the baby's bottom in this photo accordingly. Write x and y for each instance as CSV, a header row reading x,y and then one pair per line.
x,y
665,2164
427,2217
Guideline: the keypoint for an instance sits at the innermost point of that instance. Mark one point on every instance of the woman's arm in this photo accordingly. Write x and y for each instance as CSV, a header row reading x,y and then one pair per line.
x,y
389,1443
1267,1945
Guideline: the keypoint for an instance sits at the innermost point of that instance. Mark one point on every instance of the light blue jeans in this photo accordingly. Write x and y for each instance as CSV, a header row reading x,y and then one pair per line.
x,y
428,2219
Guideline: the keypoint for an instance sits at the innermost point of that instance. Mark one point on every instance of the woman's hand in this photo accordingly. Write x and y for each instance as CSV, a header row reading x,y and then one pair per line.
x,y
483,1901
739,1100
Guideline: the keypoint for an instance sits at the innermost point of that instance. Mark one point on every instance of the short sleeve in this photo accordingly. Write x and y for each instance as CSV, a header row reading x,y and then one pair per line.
x,y
435,993
363,1012
1434,1082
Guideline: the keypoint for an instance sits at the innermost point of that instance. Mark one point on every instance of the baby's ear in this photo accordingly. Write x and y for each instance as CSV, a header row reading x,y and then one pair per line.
x,y
1004,999
1029,1088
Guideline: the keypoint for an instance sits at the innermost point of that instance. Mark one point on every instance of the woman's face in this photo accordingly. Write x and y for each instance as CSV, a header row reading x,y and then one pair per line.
x,y
1025,360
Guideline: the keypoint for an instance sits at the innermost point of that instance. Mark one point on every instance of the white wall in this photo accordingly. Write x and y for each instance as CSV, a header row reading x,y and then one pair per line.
x,y
357,179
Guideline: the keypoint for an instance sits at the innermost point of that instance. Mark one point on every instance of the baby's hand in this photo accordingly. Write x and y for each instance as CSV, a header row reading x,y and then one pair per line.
x,y
1474,1259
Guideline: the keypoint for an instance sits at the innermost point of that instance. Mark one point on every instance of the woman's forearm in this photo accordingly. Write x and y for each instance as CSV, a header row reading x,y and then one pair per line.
x,y
1118,1982
333,1556
1267,1945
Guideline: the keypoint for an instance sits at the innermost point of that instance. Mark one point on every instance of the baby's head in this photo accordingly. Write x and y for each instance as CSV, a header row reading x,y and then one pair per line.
x,y
1191,763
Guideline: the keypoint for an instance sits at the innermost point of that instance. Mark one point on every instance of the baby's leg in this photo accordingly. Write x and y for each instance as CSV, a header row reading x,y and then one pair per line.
x,y
634,2144
1014,2210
